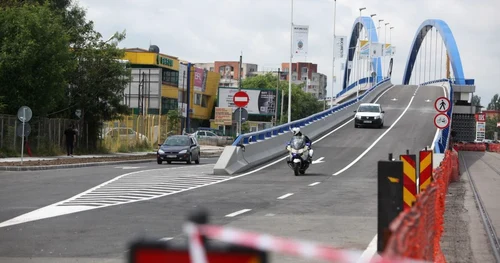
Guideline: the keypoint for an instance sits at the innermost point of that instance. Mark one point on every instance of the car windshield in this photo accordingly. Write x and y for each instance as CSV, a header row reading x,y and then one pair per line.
x,y
368,108
177,141
297,142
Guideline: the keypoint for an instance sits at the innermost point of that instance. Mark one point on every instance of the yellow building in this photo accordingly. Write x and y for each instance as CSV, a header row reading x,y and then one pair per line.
x,y
166,98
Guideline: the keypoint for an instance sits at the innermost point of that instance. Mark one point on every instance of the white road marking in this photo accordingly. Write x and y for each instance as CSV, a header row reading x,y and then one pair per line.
x,y
316,183
377,140
166,239
285,196
319,160
238,212
58,209
369,252
127,167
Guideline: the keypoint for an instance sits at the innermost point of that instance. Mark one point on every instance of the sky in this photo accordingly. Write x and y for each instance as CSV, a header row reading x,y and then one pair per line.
x,y
217,30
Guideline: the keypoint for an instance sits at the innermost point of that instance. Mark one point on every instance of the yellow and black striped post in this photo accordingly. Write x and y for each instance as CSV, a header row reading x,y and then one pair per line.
x,y
409,179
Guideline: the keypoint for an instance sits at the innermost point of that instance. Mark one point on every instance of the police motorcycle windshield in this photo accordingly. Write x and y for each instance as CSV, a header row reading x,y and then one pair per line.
x,y
298,142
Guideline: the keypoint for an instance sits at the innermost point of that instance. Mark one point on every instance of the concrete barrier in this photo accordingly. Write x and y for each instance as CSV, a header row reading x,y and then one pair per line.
x,y
242,156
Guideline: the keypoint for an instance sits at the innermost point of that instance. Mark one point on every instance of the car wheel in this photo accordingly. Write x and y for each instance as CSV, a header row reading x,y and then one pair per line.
x,y
197,160
159,161
189,160
355,126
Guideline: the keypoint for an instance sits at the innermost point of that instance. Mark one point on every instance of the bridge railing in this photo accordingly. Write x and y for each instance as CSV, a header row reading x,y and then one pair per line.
x,y
460,81
253,137
361,81
434,81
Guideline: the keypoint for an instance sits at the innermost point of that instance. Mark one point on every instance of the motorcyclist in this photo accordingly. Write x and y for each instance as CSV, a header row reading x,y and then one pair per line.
x,y
296,132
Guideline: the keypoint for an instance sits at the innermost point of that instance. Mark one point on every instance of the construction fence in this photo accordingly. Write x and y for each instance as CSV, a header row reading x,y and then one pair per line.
x,y
416,232
46,135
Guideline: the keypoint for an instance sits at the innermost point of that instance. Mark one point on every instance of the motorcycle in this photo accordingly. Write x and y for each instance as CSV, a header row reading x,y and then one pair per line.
x,y
299,150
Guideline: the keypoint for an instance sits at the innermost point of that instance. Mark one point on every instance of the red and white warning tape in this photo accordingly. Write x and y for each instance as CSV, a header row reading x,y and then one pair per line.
x,y
196,249
264,242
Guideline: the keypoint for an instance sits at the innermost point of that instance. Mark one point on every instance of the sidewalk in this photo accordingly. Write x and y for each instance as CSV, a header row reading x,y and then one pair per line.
x,y
208,151
464,238
63,161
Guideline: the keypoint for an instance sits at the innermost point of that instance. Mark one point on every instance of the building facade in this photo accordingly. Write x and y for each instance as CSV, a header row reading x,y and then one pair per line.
x,y
229,71
154,88
307,74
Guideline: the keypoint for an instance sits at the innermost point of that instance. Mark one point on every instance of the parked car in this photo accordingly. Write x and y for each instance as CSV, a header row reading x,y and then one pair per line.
x,y
369,114
179,148
124,134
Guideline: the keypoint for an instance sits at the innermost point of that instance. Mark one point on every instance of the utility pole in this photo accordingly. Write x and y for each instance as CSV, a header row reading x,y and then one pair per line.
x,y
239,89
290,68
333,62
276,100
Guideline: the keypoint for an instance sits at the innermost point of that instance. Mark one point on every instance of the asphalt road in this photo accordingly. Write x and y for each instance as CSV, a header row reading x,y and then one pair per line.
x,y
338,209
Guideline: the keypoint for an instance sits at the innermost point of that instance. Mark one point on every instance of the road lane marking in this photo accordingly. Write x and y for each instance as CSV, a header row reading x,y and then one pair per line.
x,y
166,239
316,183
285,196
238,212
377,140
319,160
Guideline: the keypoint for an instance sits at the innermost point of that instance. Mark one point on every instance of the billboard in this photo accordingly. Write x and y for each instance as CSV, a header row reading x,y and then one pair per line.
x,y
262,101
223,116
340,46
199,76
182,77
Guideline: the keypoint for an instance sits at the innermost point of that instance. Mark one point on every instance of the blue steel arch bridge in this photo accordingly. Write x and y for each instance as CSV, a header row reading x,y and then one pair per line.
x,y
433,59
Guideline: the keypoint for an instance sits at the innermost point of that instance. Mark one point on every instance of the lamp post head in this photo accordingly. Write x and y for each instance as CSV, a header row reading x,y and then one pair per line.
x,y
362,8
372,15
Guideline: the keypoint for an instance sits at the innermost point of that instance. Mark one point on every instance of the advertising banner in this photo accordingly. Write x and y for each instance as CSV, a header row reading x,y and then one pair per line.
x,y
198,79
182,77
364,50
387,50
262,101
340,46
300,40
377,50
223,116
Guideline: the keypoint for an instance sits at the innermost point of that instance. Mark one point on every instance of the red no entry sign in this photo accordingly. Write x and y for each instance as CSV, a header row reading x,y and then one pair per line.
x,y
241,99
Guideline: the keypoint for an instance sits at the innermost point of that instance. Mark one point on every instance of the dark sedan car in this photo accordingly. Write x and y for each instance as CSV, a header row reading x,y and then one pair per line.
x,y
179,148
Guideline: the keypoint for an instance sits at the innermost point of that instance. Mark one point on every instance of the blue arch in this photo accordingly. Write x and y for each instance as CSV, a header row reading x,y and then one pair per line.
x,y
449,42
363,22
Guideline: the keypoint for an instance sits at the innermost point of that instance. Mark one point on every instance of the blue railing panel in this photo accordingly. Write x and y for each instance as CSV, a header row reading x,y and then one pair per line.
x,y
261,135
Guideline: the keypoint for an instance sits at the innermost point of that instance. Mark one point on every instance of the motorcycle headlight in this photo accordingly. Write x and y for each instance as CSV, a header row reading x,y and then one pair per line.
x,y
160,151
183,152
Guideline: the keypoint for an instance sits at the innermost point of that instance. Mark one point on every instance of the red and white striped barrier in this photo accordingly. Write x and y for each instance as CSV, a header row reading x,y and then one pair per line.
x,y
196,249
264,242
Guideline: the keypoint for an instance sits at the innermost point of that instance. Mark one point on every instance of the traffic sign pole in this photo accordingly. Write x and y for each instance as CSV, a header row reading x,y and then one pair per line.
x,y
22,137
240,99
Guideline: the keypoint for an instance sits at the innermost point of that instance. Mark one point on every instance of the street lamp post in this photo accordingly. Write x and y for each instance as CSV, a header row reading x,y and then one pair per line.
x,y
390,39
290,68
359,47
333,62
385,41
370,62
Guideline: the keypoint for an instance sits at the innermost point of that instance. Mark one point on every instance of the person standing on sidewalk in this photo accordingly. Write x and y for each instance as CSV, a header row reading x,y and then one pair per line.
x,y
70,139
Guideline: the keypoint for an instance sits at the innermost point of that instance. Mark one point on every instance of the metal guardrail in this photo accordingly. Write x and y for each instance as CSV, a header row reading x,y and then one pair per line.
x,y
274,131
455,81
361,81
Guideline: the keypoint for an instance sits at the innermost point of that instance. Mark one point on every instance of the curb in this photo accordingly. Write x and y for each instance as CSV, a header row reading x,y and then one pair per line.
x,y
81,165
74,165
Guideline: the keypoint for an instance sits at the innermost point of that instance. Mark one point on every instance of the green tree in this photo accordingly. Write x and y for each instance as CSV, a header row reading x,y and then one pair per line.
x,y
476,100
34,58
491,127
494,103
2,104
303,104
173,121
98,82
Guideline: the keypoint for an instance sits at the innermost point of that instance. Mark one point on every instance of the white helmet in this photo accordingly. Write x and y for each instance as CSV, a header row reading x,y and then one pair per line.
x,y
295,130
